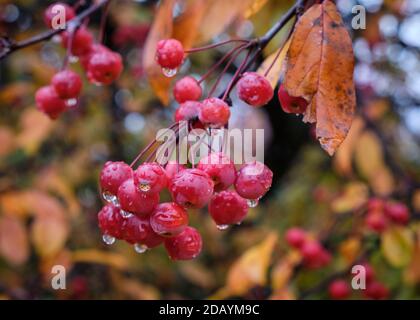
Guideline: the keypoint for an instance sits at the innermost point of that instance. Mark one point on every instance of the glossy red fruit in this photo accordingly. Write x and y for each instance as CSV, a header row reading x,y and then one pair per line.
x,y
48,101
67,84
172,168
169,219
375,204
254,89
185,246
295,237
191,188
312,251
112,175
397,212
220,169
339,289
376,221
253,180
187,111
376,290
94,48
82,41
291,104
134,201
369,272
104,67
110,221
187,89
150,178
214,113
138,230
54,10
169,53
227,207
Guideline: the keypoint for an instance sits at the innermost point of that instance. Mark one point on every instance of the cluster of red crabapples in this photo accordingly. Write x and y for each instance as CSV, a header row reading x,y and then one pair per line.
x,y
383,213
102,66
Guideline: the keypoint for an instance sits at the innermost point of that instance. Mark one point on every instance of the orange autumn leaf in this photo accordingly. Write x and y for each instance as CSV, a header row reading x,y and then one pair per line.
x,y
320,68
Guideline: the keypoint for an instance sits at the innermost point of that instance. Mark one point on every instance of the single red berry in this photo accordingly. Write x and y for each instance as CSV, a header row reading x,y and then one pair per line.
x,y
48,101
94,48
254,89
369,272
376,221
311,250
169,53
187,111
113,174
376,290
295,237
169,219
67,84
291,104
227,207
104,67
172,168
214,113
185,246
138,230
339,289
220,169
253,180
53,11
191,188
187,89
397,212
110,221
81,43
375,204
150,177
134,201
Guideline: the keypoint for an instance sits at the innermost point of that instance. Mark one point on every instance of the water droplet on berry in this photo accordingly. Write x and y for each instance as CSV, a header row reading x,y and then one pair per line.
x,y
108,239
252,203
71,102
73,59
222,227
125,214
109,197
169,72
56,39
239,223
144,187
140,248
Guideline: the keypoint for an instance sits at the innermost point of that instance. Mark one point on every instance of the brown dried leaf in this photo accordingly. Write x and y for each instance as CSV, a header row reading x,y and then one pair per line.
x,y
111,259
320,68
14,245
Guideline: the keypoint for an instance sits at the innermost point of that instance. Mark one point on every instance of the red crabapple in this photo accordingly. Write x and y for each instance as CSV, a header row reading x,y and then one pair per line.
x,y
150,177
104,67
295,237
113,174
254,89
397,212
81,43
169,53
376,290
111,223
227,207
376,221
48,101
67,84
133,201
53,11
187,111
291,104
187,89
185,246
220,169
214,113
339,289
253,180
169,219
138,231
191,188
172,168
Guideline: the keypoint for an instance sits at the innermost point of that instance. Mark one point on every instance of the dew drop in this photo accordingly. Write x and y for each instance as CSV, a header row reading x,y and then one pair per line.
x,y
222,227
239,223
71,102
140,248
108,239
144,187
169,72
109,197
56,39
125,214
252,203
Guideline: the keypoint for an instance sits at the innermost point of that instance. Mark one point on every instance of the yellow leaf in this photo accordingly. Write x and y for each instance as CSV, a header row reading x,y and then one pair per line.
x,y
251,268
397,245
14,246
275,73
412,273
254,7
283,271
353,197
111,259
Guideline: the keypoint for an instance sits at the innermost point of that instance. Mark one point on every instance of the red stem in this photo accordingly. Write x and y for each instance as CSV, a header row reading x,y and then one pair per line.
x,y
215,45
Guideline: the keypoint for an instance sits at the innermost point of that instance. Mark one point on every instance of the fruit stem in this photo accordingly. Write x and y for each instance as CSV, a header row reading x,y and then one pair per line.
x,y
215,45
154,152
105,11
